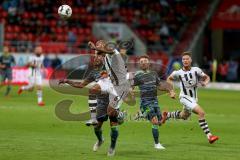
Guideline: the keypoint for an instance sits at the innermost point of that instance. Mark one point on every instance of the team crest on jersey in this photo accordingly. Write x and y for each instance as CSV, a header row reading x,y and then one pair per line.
x,y
190,82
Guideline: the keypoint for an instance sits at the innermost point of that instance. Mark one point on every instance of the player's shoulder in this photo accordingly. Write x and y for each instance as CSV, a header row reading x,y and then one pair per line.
x,y
196,69
139,72
177,71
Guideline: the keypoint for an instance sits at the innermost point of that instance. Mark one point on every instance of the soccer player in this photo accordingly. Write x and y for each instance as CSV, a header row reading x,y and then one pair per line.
x,y
35,64
98,103
148,83
118,86
189,77
93,76
6,62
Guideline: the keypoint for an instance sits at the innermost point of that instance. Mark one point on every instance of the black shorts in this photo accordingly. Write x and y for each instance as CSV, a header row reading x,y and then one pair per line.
x,y
6,74
102,105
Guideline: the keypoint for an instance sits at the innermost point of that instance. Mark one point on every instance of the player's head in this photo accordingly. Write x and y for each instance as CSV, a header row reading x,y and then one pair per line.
x,y
5,50
144,62
101,44
186,59
98,60
38,50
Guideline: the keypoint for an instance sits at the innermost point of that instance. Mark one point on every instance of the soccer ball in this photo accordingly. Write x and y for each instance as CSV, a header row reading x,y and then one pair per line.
x,y
65,11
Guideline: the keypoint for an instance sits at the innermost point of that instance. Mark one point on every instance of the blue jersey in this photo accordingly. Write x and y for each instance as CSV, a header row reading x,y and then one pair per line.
x,y
7,61
148,82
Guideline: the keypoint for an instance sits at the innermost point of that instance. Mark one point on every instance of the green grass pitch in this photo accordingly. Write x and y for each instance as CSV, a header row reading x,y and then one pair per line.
x,y
31,132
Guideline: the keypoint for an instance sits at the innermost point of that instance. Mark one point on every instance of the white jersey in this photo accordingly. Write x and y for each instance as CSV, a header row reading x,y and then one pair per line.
x,y
38,61
188,81
116,69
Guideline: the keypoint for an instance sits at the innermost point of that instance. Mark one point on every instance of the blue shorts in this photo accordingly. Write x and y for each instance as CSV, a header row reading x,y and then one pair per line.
x,y
150,109
6,74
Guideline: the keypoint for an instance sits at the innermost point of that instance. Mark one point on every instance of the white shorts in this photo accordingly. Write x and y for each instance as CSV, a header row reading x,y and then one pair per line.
x,y
35,80
188,103
116,93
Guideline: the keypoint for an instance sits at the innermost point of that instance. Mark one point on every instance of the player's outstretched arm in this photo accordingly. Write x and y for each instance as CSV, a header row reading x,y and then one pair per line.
x,y
170,79
166,86
205,80
101,46
130,99
72,83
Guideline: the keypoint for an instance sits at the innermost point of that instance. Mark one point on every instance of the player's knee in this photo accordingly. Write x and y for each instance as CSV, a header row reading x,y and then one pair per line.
x,y
154,121
201,114
99,125
95,90
112,112
185,115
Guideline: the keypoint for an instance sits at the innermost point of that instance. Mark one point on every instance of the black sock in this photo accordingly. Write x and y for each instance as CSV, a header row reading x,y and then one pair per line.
x,y
98,133
114,136
8,90
155,133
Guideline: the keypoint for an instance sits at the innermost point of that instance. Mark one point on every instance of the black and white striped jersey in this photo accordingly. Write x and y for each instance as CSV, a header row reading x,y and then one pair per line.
x,y
188,81
116,68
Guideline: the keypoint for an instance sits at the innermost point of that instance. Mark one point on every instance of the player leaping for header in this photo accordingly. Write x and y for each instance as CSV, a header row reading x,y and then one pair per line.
x,y
189,78
118,87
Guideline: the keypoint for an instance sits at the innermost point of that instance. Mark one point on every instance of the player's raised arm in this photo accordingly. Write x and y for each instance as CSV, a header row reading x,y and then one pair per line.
x,y
76,84
101,47
166,86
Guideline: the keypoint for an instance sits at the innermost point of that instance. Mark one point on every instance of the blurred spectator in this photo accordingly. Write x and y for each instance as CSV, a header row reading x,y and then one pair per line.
x,y
72,38
223,70
232,74
56,62
47,63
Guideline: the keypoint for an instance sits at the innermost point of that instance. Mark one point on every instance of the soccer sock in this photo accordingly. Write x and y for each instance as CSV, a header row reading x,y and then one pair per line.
x,y
155,133
174,114
92,103
203,124
39,95
114,136
98,133
8,90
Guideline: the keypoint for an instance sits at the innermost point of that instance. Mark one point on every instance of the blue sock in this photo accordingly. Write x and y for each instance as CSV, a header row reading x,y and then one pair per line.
x,y
155,133
114,136
98,133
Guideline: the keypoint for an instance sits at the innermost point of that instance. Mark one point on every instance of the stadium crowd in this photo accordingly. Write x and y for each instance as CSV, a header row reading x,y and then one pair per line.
x,y
158,23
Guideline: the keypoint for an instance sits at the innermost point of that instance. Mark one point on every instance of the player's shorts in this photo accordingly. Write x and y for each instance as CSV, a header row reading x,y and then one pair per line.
x,y
102,105
188,103
150,108
35,80
6,74
116,93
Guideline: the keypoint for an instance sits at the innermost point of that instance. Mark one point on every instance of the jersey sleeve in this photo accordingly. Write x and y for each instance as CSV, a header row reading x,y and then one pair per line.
x,y
158,80
90,77
200,73
175,75
136,80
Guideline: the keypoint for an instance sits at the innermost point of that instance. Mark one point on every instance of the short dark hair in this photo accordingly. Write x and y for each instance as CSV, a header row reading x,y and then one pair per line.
x,y
188,53
144,56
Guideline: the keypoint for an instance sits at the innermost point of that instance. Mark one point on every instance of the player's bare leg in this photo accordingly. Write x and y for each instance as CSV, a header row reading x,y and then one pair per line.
x,y
28,87
203,124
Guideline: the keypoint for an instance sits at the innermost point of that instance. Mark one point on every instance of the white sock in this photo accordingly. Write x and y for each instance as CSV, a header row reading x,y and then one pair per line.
x,y
26,87
39,95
